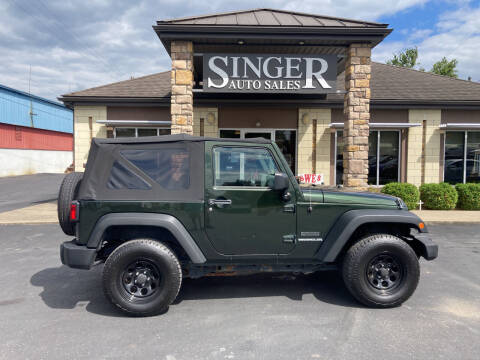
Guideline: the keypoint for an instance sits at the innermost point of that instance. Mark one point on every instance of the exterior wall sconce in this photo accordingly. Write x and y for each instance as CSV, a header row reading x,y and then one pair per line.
x,y
211,118
305,118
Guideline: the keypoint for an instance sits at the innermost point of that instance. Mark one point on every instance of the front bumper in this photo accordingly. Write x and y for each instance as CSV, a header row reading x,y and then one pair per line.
x,y
77,256
428,247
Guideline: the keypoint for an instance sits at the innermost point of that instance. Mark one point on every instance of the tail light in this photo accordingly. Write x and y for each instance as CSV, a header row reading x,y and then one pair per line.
x,y
74,210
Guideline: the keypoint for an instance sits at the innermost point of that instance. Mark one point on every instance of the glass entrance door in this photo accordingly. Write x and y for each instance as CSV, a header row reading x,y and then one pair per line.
x,y
286,139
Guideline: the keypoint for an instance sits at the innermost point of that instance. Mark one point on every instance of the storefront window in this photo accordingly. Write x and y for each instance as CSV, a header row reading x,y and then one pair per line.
x,y
139,132
339,159
146,132
372,157
383,155
454,154
286,141
230,134
473,157
389,155
462,164
124,132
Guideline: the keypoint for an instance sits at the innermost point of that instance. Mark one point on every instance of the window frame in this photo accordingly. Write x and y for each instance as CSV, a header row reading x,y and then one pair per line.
x,y
465,146
139,127
241,188
377,175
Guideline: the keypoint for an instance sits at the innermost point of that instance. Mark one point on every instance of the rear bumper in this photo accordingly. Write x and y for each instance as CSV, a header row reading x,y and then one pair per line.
x,y
77,256
429,248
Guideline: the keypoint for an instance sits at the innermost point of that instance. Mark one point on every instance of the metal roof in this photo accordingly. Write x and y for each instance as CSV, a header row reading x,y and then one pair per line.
x,y
31,96
270,17
22,109
269,27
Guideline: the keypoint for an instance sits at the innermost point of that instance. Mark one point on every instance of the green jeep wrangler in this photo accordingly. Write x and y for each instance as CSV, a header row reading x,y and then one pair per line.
x,y
160,209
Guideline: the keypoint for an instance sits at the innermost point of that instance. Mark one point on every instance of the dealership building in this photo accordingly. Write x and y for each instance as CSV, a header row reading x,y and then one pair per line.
x,y
308,83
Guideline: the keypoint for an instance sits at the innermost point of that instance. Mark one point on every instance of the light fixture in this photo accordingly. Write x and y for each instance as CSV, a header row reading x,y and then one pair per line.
x,y
210,118
301,43
240,42
258,124
305,118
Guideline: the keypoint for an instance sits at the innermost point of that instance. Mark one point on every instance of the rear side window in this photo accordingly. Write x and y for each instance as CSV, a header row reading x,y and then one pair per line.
x,y
123,178
236,166
170,168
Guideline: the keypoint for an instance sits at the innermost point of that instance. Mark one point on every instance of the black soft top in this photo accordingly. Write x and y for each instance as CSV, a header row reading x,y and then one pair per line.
x,y
166,168
174,138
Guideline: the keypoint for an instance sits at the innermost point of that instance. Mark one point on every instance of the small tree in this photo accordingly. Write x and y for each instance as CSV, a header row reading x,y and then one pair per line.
x,y
445,67
407,58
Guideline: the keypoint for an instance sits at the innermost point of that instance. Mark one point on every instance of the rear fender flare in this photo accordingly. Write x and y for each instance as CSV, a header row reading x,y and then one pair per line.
x,y
349,221
168,222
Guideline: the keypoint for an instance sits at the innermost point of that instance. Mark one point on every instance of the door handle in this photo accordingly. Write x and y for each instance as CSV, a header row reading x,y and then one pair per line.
x,y
220,203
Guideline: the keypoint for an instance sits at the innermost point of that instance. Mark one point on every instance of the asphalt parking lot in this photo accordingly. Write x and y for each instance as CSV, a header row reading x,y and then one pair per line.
x,y
52,312
21,191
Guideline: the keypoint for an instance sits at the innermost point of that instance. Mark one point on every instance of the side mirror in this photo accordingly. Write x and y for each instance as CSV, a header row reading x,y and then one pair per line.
x,y
280,182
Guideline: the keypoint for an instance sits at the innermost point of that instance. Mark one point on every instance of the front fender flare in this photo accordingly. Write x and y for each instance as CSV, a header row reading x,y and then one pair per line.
x,y
148,219
349,221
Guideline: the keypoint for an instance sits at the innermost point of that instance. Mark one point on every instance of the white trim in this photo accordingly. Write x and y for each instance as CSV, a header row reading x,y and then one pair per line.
x,y
460,126
134,122
373,125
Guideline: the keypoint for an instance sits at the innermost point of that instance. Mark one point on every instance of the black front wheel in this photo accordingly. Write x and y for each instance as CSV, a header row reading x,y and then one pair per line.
x,y
381,270
142,277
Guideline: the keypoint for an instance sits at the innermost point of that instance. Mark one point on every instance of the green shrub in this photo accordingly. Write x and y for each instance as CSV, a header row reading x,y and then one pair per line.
x,y
407,192
468,196
441,196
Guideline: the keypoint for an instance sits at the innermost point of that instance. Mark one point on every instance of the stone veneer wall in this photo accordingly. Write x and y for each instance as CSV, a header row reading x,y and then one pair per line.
x,y
81,131
423,164
209,129
181,108
357,116
305,142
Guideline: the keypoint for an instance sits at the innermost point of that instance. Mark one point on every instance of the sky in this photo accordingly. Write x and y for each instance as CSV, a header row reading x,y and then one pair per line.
x,y
71,45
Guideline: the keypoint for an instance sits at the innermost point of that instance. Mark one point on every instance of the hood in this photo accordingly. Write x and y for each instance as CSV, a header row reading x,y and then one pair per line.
x,y
364,198
344,197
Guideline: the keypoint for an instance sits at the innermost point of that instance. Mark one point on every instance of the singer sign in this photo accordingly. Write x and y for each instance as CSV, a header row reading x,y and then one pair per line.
x,y
269,73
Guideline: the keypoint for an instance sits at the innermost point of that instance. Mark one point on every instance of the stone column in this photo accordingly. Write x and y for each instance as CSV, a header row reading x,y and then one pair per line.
x,y
181,107
356,116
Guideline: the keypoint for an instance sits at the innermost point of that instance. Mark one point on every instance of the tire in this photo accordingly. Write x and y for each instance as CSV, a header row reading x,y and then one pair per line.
x,y
381,271
125,288
68,192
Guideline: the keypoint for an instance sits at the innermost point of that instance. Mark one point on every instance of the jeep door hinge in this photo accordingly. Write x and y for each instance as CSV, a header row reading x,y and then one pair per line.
x,y
289,238
289,208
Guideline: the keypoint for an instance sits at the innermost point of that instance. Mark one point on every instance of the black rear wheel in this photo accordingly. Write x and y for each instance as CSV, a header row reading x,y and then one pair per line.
x,y
381,271
142,277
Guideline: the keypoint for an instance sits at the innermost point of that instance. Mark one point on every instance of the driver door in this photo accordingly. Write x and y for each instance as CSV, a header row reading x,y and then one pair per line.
x,y
243,215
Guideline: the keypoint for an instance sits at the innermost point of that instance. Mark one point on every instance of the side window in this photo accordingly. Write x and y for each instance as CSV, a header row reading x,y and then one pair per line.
x,y
123,178
234,166
168,167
